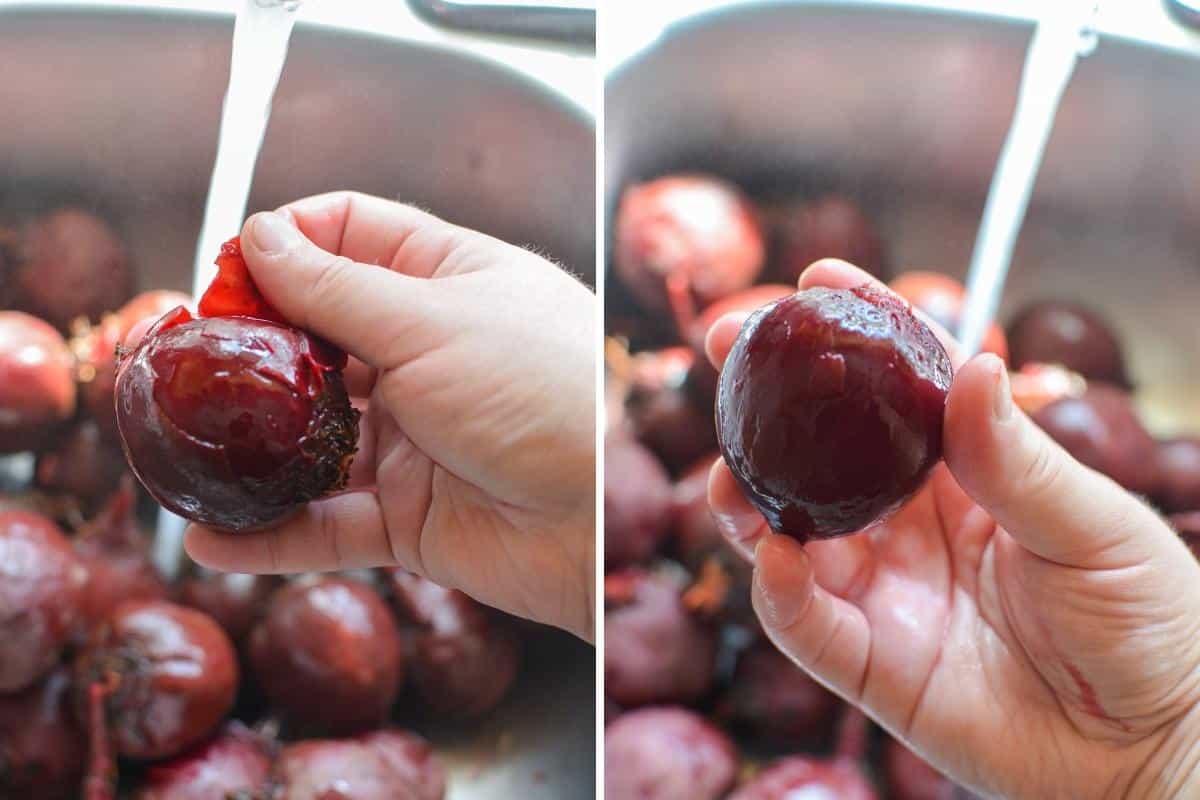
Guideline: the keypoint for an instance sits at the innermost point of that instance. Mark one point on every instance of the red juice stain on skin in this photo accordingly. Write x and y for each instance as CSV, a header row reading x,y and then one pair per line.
x,y
1087,696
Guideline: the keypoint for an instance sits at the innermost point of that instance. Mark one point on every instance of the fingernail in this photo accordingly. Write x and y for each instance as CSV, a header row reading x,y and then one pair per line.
x,y
781,576
1002,400
274,234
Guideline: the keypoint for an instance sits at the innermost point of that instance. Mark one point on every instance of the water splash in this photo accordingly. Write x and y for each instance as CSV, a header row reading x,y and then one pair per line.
x,y
1066,33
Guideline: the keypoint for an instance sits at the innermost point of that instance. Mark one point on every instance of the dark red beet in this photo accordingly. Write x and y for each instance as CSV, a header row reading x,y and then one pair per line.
x,y
655,650
829,227
461,656
909,777
167,676
1179,460
41,748
1070,335
41,593
746,300
663,413
327,655
71,265
829,411
382,765
37,382
236,601
685,241
1188,527
770,696
96,348
1036,386
117,555
808,776
696,533
942,299
1102,430
233,761
83,466
637,501
667,754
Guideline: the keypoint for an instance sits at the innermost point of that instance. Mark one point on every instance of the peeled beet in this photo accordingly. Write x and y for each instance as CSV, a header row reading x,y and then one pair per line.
x,y
942,299
232,762
655,650
746,300
909,777
166,674
808,776
71,264
83,466
667,754
235,600
696,534
1069,335
1179,460
41,596
829,409
684,241
37,382
1101,430
41,747
382,765
662,411
832,226
637,502
771,697
461,656
327,655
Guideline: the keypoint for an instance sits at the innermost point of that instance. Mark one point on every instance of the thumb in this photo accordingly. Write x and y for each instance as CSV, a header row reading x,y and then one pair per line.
x,y
378,315
1049,502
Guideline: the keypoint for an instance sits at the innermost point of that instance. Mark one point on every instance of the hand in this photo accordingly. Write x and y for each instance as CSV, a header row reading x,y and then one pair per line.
x,y
476,463
1024,623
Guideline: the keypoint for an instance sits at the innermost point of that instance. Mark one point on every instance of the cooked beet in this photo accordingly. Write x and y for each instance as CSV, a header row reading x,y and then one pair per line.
x,y
655,650
83,466
663,412
808,776
771,697
41,748
327,655
232,765
1070,335
667,754
1188,527
37,383
637,501
746,300
1101,429
381,765
71,265
1179,460
41,595
942,299
695,529
235,600
158,678
909,777
461,656
832,226
1035,386
829,411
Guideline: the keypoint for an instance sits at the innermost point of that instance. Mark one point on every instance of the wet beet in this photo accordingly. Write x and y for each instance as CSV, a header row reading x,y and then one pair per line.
x,y
909,777
655,650
236,601
1101,429
41,595
71,264
637,501
746,300
684,241
662,411
1179,460
829,411
381,765
83,466
117,555
167,676
1069,335
327,655
233,761
41,748
771,697
832,226
696,534
808,776
37,382
461,656
667,754
942,299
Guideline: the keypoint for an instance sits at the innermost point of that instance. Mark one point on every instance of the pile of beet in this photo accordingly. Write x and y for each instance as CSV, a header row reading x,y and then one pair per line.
x,y
118,682
699,704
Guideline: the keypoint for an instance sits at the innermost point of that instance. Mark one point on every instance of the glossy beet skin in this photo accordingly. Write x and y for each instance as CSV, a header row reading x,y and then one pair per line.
x,y
746,300
233,761
829,409
655,650
667,754
386,764
807,776
909,777
771,697
1101,430
684,241
637,501
942,299
832,226
169,675
235,421
461,656
41,748
41,595
1179,460
37,383
236,601
328,656
1070,335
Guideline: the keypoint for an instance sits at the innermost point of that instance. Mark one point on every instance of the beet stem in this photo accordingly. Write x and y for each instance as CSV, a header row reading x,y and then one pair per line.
x,y
683,305
101,774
